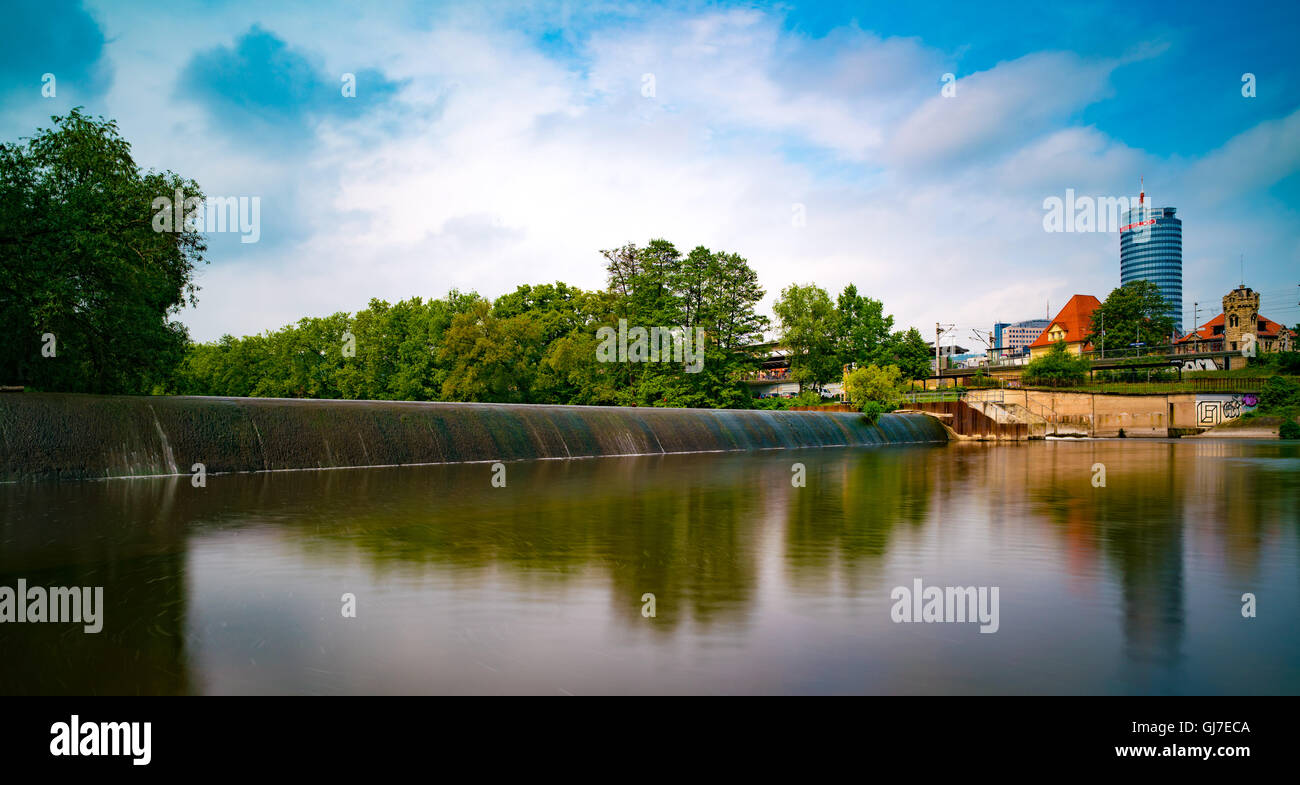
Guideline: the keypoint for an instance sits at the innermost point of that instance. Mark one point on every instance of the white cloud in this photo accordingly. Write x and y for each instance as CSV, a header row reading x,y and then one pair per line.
x,y
504,165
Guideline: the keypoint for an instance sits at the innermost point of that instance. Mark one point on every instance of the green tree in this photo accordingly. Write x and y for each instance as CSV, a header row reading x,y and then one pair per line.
x,y
873,384
1058,368
862,328
83,273
1133,313
808,330
654,286
909,351
490,358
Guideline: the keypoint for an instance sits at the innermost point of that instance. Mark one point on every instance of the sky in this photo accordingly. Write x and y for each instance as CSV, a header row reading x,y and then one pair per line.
x,y
491,144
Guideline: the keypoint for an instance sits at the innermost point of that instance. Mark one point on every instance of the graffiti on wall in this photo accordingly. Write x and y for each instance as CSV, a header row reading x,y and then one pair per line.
x,y
1214,409
1203,364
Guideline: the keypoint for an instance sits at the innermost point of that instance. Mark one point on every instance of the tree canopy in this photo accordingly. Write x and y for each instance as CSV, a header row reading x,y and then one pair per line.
x,y
87,286
1133,313
1058,368
90,284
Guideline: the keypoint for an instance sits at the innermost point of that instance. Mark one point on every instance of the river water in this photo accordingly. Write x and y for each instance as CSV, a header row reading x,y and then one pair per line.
x,y
759,586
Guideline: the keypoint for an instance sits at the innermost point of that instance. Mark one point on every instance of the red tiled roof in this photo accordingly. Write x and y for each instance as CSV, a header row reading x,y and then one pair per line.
x,y
1074,318
1206,331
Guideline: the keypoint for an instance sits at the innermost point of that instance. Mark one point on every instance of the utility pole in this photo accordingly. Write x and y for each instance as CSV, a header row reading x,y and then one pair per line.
x,y
938,334
1196,327
985,337
938,369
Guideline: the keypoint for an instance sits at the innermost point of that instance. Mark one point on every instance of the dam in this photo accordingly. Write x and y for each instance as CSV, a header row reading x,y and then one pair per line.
x,y
66,437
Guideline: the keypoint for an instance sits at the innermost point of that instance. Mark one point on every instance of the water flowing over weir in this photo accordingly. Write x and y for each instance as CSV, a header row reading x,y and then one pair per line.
x,y
56,436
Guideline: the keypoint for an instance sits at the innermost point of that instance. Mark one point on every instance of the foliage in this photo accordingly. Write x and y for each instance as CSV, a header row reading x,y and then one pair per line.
x,y
807,319
871,412
982,380
862,329
1057,368
712,291
80,261
536,344
909,351
1278,362
1290,430
1134,313
1279,393
1135,375
874,384
803,399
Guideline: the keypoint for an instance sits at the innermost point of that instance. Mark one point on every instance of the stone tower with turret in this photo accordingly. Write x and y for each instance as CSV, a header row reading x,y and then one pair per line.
x,y
1240,316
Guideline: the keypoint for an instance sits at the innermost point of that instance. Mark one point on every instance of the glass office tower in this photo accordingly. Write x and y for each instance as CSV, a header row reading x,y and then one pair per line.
x,y
1151,248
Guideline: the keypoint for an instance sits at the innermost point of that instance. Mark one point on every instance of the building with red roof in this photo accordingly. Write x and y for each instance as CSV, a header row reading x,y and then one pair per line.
x,y
1070,325
1241,317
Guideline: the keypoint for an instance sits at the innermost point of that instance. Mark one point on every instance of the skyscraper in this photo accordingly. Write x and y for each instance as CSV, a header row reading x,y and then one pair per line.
x,y
1151,249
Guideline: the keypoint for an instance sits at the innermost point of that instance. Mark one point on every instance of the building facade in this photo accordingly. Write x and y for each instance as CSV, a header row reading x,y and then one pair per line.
x,y
1241,317
1015,337
998,327
1071,325
1151,249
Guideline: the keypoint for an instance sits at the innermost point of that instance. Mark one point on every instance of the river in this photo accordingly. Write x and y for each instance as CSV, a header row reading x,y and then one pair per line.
x,y
703,573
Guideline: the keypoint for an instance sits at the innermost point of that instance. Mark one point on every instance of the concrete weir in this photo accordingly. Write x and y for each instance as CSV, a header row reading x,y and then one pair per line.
x,y
60,436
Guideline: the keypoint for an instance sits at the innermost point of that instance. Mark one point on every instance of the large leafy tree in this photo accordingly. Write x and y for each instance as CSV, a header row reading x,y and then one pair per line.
x,y
655,286
1135,312
909,351
862,328
84,276
807,319
491,358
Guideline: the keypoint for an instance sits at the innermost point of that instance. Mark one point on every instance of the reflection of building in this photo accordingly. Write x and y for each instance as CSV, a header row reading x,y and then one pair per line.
x,y
1011,339
1070,325
1151,249
1241,317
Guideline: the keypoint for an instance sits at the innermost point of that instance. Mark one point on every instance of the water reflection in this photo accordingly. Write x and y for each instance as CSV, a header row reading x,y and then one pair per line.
x,y
759,585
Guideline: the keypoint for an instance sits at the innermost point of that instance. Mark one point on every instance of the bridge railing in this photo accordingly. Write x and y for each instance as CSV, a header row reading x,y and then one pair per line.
x,y
933,396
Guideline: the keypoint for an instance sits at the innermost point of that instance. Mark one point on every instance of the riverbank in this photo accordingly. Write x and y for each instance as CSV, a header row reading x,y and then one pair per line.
x,y
60,436
1258,427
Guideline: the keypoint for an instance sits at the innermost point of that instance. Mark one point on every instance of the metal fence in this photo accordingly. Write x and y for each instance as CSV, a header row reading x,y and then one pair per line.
x,y
934,396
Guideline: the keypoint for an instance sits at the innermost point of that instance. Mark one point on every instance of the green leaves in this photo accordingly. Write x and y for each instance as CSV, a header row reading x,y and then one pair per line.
x,y
1057,368
79,260
874,385
1133,313
807,329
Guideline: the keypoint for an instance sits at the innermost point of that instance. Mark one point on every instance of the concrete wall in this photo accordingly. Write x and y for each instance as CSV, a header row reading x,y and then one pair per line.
x,y
54,436
1099,414
1090,414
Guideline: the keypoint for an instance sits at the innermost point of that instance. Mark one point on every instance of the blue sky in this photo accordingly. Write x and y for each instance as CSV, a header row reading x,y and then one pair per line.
x,y
491,144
